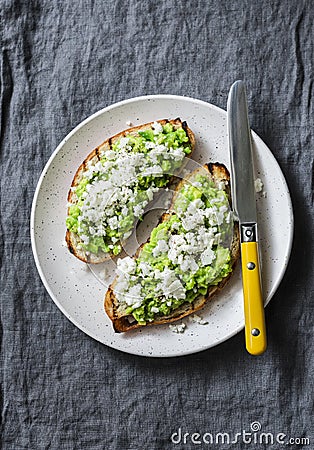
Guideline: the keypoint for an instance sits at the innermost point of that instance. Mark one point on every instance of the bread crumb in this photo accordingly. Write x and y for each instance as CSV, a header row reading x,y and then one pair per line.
x,y
128,123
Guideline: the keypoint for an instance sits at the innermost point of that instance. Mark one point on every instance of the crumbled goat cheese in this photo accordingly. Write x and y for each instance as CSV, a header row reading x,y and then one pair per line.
x,y
149,145
123,142
154,170
85,238
177,328
112,222
126,265
207,257
259,187
145,268
110,154
197,319
188,264
161,247
170,285
258,184
138,210
157,127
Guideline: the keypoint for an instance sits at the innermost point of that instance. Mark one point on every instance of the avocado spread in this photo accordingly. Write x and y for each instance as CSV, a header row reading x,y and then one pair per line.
x,y
185,254
114,191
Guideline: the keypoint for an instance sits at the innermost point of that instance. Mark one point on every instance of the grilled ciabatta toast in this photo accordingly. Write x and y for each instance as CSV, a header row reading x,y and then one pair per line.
x,y
119,311
99,186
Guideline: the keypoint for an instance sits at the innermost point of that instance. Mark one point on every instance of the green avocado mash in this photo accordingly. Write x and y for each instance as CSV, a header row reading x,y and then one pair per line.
x,y
112,194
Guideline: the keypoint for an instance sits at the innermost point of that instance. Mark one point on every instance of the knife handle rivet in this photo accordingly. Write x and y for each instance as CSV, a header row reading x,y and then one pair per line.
x,y
255,332
250,265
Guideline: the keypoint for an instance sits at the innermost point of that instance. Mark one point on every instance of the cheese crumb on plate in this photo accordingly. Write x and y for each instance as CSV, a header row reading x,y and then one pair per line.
x,y
177,328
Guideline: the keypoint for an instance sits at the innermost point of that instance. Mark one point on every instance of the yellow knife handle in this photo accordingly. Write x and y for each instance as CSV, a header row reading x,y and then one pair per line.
x,y
255,330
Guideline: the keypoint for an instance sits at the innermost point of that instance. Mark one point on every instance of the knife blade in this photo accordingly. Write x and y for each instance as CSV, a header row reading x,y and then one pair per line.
x,y
244,206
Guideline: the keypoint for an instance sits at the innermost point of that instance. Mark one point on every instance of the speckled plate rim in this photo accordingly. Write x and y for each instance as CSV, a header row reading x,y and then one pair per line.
x,y
107,109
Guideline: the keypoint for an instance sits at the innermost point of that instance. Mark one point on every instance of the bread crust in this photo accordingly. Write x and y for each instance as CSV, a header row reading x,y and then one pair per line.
x,y
72,239
218,173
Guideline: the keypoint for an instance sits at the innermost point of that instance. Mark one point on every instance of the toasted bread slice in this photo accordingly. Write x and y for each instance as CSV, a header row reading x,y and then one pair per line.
x,y
123,322
72,239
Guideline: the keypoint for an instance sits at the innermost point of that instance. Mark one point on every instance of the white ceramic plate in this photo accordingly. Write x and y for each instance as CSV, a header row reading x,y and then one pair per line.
x,y
79,291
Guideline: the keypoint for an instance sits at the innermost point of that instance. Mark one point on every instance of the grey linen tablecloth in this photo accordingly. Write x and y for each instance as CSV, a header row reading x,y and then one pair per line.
x,y
61,62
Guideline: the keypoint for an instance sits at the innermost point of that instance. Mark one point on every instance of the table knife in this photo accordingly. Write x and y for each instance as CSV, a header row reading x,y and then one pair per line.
x,y
244,207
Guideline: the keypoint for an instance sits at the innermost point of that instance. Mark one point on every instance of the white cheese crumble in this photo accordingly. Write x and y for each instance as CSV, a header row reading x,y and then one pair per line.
x,y
258,184
161,247
197,319
123,142
177,328
259,187
157,127
207,257
126,265
154,170
170,285
145,268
